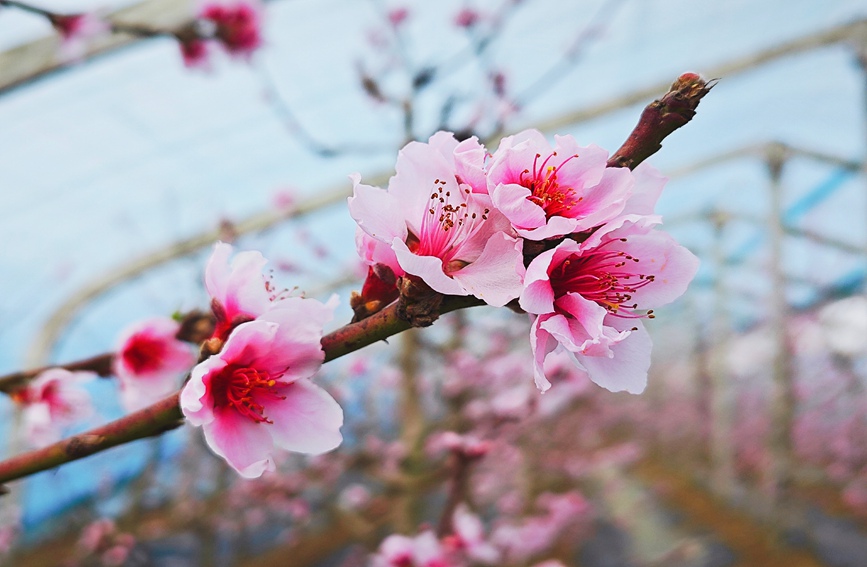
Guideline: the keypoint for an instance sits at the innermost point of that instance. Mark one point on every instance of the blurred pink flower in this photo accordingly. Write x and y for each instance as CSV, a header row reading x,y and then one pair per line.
x,y
238,26
51,401
150,360
467,18
439,224
255,395
589,296
195,53
397,16
76,30
469,538
548,192
423,550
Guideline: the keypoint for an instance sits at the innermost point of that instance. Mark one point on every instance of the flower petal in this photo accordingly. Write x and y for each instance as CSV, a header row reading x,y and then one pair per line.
x,y
496,276
245,444
307,421
627,368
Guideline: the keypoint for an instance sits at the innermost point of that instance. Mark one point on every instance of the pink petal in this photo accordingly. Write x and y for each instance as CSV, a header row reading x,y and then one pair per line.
x,y
671,265
627,367
541,343
307,421
649,183
376,211
496,276
538,296
428,268
606,199
196,402
245,444
511,200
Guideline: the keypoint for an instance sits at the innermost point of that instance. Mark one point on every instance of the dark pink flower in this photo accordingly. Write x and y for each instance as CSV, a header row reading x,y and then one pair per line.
x,y
238,26
255,395
150,361
195,53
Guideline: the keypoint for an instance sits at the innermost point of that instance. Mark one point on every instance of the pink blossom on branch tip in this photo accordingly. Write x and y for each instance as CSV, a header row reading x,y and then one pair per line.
x,y
440,224
150,361
255,395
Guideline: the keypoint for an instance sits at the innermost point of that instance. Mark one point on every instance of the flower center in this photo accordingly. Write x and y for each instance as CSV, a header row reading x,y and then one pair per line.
x,y
555,199
245,389
451,220
143,354
604,276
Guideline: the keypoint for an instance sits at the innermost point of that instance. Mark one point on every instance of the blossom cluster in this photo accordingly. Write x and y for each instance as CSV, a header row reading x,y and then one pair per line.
x,y
554,229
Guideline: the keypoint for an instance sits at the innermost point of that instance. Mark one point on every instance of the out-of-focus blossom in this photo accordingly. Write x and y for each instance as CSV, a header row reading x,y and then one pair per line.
x,y
354,496
238,26
76,30
423,550
52,400
397,16
150,360
195,53
439,222
467,445
467,18
255,395
589,297
468,538
547,192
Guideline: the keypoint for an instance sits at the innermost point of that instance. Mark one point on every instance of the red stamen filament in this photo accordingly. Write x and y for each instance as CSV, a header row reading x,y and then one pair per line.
x,y
599,276
555,199
451,220
236,386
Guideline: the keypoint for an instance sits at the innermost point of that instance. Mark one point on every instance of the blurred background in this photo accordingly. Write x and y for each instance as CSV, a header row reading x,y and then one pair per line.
x,y
120,166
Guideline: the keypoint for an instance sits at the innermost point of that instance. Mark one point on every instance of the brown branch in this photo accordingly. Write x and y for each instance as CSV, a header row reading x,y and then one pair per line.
x,y
660,118
101,364
166,414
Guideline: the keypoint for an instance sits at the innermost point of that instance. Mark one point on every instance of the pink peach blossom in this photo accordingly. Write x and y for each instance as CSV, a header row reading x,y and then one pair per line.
x,y
150,360
440,224
589,297
239,291
52,400
255,395
548,192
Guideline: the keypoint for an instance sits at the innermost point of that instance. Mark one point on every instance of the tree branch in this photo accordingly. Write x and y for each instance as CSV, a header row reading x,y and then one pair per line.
x,y
660,118
166,414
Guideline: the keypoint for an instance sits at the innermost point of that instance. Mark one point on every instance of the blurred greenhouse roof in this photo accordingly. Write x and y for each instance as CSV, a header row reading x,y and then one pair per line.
x,y
123,155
